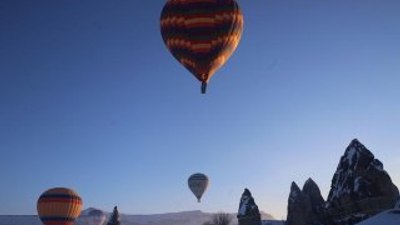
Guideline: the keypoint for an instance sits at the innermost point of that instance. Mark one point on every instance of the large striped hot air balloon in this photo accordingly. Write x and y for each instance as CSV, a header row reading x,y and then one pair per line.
x,y
198,184
201,34
59,206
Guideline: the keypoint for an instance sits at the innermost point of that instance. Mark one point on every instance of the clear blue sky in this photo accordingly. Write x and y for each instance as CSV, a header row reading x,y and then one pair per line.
x,y
91,99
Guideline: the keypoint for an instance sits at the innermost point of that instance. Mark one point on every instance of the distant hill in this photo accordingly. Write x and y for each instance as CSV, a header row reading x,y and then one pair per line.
x,y
178,218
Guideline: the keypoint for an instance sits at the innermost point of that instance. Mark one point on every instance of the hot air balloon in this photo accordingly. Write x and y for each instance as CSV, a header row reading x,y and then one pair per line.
x,y
59,206
198,184
201,34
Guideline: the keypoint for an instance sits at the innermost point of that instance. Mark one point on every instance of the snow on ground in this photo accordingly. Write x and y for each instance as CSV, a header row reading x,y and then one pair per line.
x,y
390,217
179,218
273,222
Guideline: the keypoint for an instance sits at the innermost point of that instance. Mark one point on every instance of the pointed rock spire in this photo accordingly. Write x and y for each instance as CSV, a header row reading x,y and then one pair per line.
x,y
295,192
360,189
311,189
357,177
360,186
248,213
304,205
115,218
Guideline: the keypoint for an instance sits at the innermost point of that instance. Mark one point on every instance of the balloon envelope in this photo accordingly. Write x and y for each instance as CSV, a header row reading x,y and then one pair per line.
x,y
59,206
198,184
201,34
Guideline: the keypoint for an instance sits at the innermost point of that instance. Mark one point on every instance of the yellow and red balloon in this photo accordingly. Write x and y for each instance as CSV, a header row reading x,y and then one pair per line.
x,y
59,206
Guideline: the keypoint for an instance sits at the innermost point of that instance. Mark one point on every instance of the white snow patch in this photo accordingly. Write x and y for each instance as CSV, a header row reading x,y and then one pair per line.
x,y
350,154
243,206
390,217
357,182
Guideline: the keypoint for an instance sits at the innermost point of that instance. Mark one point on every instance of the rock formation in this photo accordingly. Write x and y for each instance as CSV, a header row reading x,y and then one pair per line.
x,y
360,187
312,190
305,206
248,213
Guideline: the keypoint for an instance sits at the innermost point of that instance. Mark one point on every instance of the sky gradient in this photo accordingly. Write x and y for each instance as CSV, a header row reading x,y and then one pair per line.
x,y
91,99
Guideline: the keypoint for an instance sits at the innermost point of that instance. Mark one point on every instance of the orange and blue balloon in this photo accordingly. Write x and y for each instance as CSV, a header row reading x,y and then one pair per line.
x,y
201,34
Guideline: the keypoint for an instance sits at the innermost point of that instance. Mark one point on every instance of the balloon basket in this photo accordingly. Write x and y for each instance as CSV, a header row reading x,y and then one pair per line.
x,y
203,87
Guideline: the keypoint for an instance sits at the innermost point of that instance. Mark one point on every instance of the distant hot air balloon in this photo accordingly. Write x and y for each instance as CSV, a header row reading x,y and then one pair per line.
x,y
198,184
201,34
59,206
